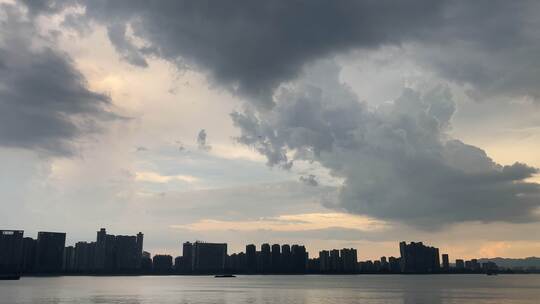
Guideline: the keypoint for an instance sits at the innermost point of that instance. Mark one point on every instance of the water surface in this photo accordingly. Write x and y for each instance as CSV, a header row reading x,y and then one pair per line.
x,y
310,289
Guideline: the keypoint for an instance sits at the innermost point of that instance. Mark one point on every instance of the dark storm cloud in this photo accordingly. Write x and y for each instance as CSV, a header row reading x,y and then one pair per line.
x,y
397,161
44,102
251,47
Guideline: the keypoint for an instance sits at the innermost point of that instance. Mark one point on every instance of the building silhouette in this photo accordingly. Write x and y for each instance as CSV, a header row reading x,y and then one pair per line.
x,y
123,254
276,258
265,259
209,257
335,261
68,264
299,258
324,261
162,263
50,252
417,258
251,258
445,263
286,259
460,264
117,253
11,249
146,262
28,255
349,260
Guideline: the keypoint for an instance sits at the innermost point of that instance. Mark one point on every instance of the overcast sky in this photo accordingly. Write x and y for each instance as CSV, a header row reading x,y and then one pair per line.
x,y
328,123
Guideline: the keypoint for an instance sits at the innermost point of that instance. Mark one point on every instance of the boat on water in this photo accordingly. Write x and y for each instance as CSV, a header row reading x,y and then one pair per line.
x,y
9,277
224,276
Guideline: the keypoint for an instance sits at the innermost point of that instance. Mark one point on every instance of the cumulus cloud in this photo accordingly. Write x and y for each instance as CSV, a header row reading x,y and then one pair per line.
x,y
398,161
201,141
45,104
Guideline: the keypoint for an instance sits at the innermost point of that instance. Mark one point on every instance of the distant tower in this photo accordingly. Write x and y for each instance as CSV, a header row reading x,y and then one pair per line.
x,y
266,260
140,239
445,262
187,254
101,241
276,258
251,258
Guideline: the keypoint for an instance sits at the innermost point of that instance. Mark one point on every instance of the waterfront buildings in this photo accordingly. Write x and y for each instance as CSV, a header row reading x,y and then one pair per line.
x,y
123,254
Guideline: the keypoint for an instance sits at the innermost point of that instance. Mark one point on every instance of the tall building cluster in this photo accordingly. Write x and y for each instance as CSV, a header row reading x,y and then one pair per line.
x,y
418,258
123,254
47,254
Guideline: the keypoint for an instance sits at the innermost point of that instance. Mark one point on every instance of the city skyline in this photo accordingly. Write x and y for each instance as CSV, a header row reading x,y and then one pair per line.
x,y
110,254
353,124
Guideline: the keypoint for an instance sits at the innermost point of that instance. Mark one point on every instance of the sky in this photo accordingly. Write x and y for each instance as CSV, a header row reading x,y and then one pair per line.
x,y
326,123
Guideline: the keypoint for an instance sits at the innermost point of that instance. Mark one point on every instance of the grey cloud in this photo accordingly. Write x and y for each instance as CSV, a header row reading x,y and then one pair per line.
x,y
252,47
310,180
238,203
201,141
398,161
123,45
45,104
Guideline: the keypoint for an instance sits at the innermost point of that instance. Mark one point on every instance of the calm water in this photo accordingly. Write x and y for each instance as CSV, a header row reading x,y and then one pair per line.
x,y
367,289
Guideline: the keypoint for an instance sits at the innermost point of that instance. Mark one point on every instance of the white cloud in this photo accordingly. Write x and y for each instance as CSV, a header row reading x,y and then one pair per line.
x,y
291,222
154,177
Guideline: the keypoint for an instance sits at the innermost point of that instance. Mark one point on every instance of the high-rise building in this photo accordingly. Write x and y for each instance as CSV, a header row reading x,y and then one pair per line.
x,y
251,258
286,259
128,255
324,261
384,264
68,264
11,249
394,264
417,258
276,258
266,259
162,263
50,252
472,265
140,241
209,257
85,255
349,260
28,255
101,249
117,253
460,264
299,258
335,261
445,262
146,262
187,255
